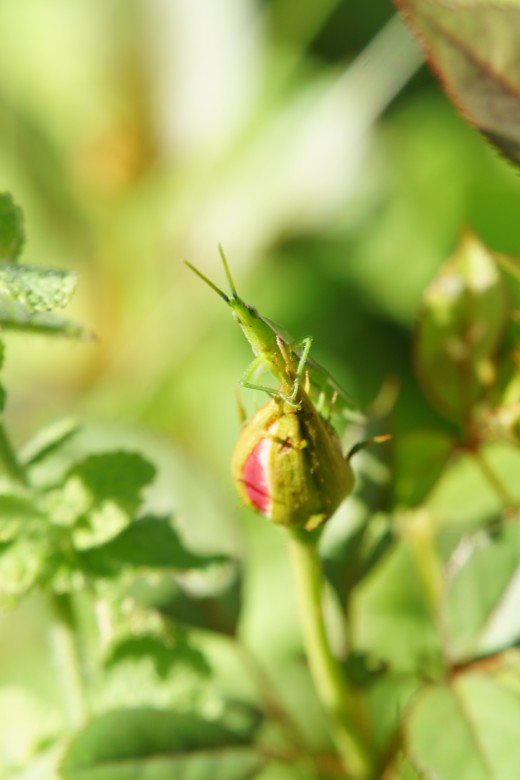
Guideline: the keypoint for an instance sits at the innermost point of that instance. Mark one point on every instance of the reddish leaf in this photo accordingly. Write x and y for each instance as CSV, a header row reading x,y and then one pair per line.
x,y
474,50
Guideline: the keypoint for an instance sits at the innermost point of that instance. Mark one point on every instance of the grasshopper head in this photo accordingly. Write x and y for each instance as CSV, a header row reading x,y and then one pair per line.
x,y
256,330
228,298
243,313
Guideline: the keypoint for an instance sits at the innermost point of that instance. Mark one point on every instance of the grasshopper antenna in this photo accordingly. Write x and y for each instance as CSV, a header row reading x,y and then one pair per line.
x,y
228,272
208,281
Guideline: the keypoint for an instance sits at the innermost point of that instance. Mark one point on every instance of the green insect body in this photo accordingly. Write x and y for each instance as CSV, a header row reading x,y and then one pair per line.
x,y
287,463
288,362
288,466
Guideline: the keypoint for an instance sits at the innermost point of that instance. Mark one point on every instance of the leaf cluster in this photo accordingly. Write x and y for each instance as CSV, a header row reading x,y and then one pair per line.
x,y
73,527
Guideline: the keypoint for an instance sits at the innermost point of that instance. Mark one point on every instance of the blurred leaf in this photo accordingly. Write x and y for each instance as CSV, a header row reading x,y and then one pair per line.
x,y
420,457
15,315
37,288
388,698
473,47
99,496
464,498
479,727
362,670
481,612
391,617
360,534
23,562
48,440
148,543
350,554
12,234
115,476
463,316
2,391
16,513
152,664
27,723
210,600
405,771
158,745
165,653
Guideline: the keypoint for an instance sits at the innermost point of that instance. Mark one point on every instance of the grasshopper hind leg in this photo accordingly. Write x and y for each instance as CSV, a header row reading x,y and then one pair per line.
x,y
256,367
302,353
260,364
306,345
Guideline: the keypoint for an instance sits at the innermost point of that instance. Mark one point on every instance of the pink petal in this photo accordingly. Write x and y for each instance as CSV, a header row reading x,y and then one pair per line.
x,y
255,477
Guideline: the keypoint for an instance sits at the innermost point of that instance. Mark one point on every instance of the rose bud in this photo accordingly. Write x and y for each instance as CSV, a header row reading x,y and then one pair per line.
x,y
288,465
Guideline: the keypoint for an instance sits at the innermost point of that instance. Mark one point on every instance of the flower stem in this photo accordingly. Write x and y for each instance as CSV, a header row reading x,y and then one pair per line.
x,y
64,643
348,727
495,482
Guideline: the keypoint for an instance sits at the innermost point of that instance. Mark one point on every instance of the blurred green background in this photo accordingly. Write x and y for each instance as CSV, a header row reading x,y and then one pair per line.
x,y
304,137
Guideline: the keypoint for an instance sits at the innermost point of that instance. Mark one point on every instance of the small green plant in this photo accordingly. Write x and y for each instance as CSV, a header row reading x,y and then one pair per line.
x,y
408,597
72,528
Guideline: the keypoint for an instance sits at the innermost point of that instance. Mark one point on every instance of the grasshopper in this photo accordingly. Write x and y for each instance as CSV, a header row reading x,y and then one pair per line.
x,y
287,361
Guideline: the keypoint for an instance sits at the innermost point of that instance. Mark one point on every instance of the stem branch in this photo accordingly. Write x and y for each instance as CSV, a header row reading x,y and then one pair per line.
x,y
347,721
67,660
8,460
495,482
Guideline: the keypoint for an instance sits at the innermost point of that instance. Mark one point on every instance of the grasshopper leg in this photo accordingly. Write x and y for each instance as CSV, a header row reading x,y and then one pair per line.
x,y
305,345
254,368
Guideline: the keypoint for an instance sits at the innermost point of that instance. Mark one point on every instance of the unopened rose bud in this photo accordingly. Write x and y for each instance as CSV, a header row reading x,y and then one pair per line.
x,y
288,465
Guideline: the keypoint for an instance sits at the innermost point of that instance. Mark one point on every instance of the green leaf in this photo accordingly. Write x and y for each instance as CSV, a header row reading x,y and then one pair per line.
x,y
464,498
355,546
99,496
389,696
48,440
22,563
153,666
15,315
406,771
115,476
420,457
148,543
473,48
27,723
166,653
2,391
481,611
38,289
158,745
466,731
391,618
12,235
362,533
16,513
210,600
464,313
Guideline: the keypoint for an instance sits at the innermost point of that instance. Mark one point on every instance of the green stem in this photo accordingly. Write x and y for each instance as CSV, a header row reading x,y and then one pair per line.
x,y
417,530
64,643
495,482
348,726
269,699
8,460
